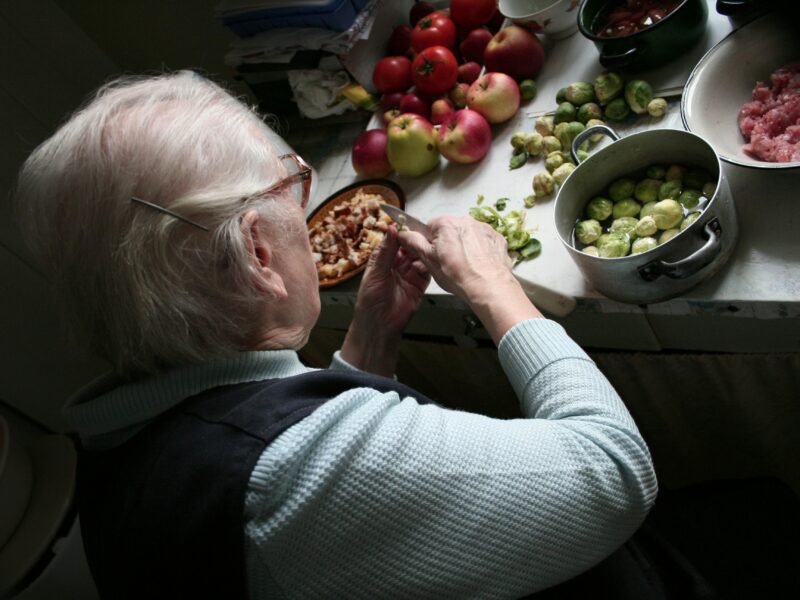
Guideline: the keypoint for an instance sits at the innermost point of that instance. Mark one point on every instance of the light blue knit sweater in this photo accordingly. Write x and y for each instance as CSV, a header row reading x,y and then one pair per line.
x,y
376,496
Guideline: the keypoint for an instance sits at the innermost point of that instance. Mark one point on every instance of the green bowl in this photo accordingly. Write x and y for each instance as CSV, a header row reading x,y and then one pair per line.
x,y
651,47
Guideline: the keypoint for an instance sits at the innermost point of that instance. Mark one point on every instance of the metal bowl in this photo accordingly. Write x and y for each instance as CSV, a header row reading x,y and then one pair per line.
x,y
724,79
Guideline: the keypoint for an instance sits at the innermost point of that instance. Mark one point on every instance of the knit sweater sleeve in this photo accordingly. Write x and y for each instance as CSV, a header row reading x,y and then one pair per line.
x,y
374,495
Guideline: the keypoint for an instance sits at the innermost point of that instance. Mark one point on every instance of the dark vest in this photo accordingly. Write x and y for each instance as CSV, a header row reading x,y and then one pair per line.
x,y
162,515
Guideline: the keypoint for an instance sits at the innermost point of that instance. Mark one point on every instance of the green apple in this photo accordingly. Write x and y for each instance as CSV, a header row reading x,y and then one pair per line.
x,y
411,145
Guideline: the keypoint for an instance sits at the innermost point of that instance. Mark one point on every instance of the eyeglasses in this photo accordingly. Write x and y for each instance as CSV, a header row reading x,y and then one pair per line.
x,y
298,181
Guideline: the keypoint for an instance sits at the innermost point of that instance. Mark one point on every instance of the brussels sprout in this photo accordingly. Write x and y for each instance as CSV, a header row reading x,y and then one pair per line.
x,y
667,213
562,172
590,110
544,125
647,190
667,235
638,94
621,189
645,227
624,225
561,95
674,173
617,110
689,219
543,184
656,171
626,208
568,134
695,178
553,161
657,107
518,140
607,86
591,251
588,231
550,144
643,244
613,245
597,136
690,199
647,210
527,89
565,113
709,189
582,154
670,189
599,208
529,201
579,93
534,144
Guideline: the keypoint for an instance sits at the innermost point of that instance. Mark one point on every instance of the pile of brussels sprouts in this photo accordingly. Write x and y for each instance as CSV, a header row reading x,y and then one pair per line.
x,y
580,105
639,212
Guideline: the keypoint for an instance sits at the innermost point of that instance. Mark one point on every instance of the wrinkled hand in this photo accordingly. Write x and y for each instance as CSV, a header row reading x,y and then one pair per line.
x,y
464,256
393,286
470,259
391,291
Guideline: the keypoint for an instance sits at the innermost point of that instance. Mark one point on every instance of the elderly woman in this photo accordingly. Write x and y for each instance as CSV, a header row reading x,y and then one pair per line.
x,y
215,463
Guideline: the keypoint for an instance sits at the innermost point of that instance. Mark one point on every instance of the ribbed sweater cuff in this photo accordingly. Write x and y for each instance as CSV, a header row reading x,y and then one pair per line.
x,y
530,346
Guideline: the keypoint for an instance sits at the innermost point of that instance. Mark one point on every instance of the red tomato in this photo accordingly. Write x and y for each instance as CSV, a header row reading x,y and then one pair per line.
x,y
392,74
435,29
472,13
435,70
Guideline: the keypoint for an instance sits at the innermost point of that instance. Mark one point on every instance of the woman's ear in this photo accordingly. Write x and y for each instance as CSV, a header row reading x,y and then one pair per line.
x,y
259,252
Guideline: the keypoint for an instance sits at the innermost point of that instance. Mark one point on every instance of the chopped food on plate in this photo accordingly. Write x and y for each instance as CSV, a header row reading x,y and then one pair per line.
x,y
343,240
770,123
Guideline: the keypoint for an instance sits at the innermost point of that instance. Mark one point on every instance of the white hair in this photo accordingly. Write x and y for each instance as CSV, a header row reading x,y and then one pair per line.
x,y
150,290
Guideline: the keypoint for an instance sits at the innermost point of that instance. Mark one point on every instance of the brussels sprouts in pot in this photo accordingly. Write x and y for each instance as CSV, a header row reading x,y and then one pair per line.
x,y
631,263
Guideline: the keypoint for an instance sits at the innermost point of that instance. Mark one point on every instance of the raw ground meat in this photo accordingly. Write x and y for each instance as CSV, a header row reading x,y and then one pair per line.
x,y
771,122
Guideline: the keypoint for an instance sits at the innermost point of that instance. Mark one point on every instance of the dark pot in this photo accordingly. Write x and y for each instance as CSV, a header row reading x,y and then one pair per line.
x,y
651,47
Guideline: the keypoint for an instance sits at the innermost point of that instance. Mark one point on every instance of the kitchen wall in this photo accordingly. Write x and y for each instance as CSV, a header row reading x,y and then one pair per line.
x,y
52,54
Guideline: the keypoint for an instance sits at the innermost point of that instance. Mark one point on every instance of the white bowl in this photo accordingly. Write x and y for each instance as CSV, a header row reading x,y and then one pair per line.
x,y
557,19
16,481
724,79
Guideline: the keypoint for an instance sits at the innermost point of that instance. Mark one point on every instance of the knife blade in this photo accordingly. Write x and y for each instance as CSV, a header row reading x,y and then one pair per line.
x,y
401,217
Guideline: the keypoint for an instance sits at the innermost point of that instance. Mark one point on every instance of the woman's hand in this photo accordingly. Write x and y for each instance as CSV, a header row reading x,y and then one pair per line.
x,y
391,291
470,259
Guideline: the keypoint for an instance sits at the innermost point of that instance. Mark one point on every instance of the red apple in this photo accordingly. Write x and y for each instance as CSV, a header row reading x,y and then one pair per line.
x,y
471,13
414,103
465,137
472,47
469,72
495,96
399,41
411,145
390,114
516,52
441,110
369,154
391,100
459,95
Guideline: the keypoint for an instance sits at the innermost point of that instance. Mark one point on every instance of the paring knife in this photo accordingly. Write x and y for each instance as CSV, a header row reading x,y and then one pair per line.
x,y
401,217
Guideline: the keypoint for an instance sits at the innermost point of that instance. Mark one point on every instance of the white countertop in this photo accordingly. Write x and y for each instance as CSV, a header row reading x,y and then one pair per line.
x,y
761,280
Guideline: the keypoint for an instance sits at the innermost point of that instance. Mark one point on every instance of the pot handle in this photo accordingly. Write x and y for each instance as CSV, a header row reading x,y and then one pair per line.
x,y
617,61
586,134
691,264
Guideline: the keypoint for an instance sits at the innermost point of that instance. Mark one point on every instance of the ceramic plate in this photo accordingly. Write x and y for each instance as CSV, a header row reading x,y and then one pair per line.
x,y
391,193
724,79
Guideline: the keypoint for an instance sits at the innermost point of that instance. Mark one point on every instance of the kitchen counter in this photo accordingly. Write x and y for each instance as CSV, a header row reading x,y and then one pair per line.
x,y
751,305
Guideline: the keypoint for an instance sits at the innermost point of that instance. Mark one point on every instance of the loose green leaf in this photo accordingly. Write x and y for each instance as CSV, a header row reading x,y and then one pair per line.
x,y
529,201
480,199
501,204
517,160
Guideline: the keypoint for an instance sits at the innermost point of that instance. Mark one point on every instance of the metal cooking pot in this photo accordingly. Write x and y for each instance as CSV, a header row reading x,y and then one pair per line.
x,y
679,264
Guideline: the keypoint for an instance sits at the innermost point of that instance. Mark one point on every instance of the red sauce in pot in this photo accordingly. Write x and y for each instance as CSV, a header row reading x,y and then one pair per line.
x,y
624,17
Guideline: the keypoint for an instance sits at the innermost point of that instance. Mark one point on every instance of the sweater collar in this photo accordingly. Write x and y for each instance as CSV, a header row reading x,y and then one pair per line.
x,y
109,404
